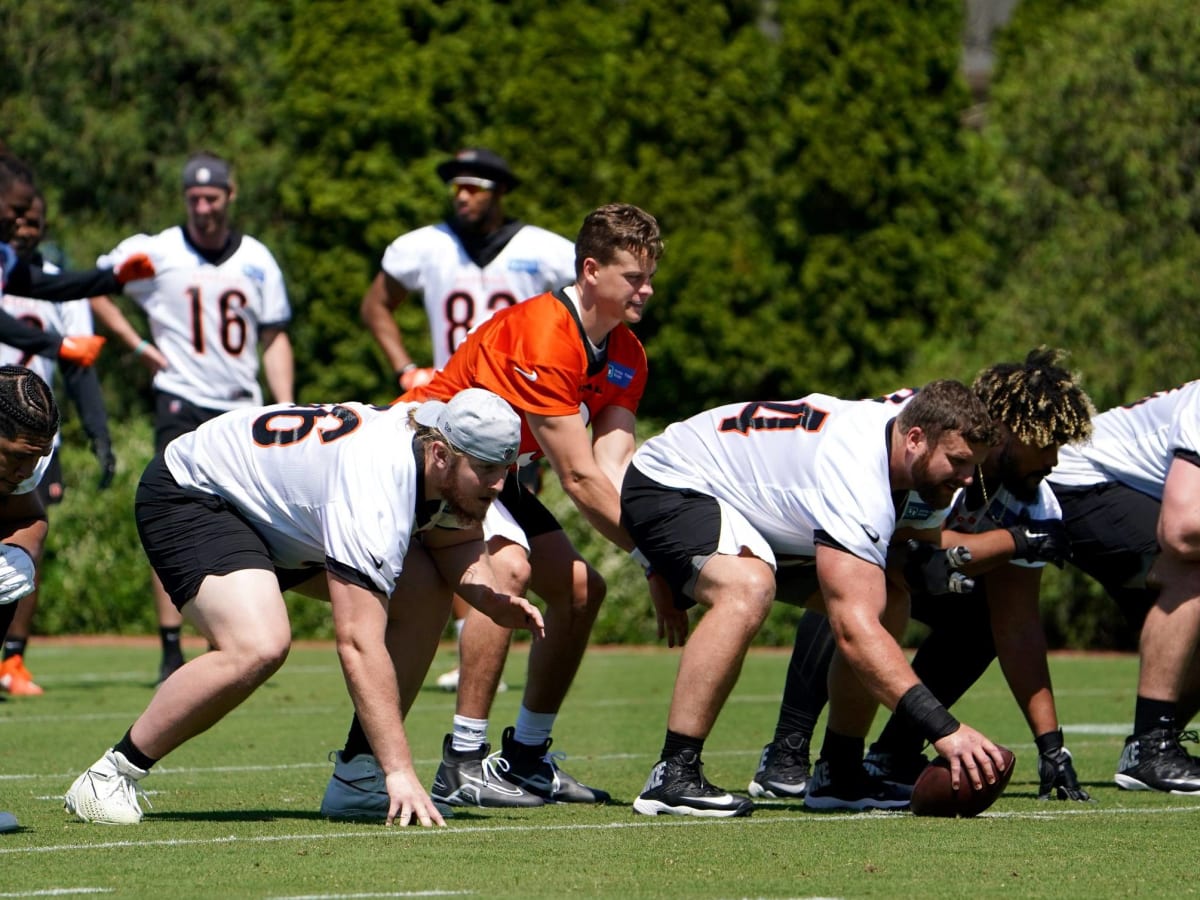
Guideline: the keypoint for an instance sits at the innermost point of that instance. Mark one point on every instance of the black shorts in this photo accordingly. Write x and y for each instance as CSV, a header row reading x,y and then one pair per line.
x,y
528,511
1114,538
174,416
189,535
51,487
677,529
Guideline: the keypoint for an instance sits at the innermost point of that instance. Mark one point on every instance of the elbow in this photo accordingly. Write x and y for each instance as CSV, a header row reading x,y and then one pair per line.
x,y
1180,539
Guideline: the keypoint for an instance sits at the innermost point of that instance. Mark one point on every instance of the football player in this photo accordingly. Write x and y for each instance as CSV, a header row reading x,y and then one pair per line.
x,y
82,384
565,360
1011,524
218,298
726,503
1131,504
371,509
28,424
479,260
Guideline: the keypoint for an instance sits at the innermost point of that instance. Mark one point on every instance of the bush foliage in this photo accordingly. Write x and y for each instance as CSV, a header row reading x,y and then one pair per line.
x,y
830,223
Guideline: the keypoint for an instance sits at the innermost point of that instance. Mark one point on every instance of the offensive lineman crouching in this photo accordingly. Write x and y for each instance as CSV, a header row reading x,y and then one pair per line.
x,y
368,508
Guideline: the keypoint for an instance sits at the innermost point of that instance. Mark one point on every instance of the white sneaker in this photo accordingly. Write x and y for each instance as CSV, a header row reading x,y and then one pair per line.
x,y
448,681
358,790
107,793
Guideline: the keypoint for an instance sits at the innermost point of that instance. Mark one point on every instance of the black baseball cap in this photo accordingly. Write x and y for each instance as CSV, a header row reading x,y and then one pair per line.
x,y
481,163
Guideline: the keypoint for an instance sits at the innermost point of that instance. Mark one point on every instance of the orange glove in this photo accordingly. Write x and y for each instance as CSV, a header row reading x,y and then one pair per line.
x,y
135,268
81,349
414,377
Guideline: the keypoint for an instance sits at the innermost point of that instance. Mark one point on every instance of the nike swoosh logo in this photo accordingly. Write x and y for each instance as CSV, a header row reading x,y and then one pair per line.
x,y
530,376
723,800
378,562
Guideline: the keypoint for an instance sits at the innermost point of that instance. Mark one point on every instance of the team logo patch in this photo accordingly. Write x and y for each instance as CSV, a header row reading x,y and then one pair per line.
x,y
621,376
254,273
523,265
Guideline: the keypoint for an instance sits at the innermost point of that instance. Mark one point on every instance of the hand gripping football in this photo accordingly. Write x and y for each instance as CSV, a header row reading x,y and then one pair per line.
x,y
933,796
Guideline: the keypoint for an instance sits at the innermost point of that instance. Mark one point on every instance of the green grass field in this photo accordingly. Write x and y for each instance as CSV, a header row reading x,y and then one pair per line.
x,y
235,810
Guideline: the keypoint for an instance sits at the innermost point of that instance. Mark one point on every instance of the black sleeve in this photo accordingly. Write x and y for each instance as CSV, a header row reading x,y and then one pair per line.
x,y
83,387
25,337
30,281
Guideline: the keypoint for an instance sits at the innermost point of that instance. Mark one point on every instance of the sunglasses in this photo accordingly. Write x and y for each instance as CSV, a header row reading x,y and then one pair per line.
x,y
471,184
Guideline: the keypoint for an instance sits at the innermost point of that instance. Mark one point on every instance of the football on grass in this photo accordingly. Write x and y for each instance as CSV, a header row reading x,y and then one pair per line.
x,y
933,796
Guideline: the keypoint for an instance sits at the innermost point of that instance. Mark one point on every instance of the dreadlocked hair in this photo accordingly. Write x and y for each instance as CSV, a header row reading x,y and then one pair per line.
x,y
26,405
1039,400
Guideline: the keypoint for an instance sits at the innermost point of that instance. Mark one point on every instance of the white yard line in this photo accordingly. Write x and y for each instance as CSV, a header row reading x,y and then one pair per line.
x,y
470,831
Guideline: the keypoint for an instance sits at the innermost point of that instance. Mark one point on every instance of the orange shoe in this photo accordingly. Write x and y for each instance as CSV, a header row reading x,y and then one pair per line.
x,y
17,680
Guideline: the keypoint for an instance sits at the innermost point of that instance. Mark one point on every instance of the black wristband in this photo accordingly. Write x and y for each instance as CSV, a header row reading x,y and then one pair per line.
x,y
926,714
1050,742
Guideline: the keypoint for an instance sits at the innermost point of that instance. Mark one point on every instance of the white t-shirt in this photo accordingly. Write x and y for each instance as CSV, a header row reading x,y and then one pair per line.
x,y
794,469
320,482
206,318
1135,444
458,294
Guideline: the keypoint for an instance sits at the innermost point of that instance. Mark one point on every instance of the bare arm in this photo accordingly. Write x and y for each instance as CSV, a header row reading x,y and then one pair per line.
x,y
855,594
467,565
1012,596
378,304
110,317
359,622
856,597
565,441
278,364
1178,522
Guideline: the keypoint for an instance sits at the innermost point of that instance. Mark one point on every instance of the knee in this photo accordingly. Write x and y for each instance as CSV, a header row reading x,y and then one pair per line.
x,y
589,592
262,659
512,573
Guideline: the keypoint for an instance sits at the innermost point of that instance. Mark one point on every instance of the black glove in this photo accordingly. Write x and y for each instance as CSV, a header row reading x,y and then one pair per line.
x,y
1056,771
1045,541
931,570
108,463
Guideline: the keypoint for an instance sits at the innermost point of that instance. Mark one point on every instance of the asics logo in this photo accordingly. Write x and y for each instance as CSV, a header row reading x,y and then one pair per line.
x,y
528,376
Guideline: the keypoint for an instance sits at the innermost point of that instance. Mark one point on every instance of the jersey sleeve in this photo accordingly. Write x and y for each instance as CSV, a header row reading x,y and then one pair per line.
x,y
853,506
402,261
276,312
1184,438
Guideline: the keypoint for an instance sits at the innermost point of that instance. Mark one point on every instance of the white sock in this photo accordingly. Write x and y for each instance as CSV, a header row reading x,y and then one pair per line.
x,y
533,728
469,734
458,627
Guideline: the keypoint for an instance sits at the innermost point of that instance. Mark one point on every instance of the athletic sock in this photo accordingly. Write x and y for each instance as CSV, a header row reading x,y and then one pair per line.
x,y
676,742
841,751
805,689
171,648
126,748
14,646
468,734
1149,715
356,741
533,728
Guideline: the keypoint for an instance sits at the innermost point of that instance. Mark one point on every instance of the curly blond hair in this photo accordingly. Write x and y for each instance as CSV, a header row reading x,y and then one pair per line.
x,y
1039,400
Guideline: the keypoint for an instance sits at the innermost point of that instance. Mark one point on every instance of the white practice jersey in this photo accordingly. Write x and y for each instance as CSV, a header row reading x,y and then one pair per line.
x,y
205,317
332,482
793,469
1135,444
72,317
460,295
1003,511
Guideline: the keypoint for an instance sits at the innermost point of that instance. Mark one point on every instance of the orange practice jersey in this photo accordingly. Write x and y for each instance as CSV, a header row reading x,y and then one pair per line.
x,y
536,356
